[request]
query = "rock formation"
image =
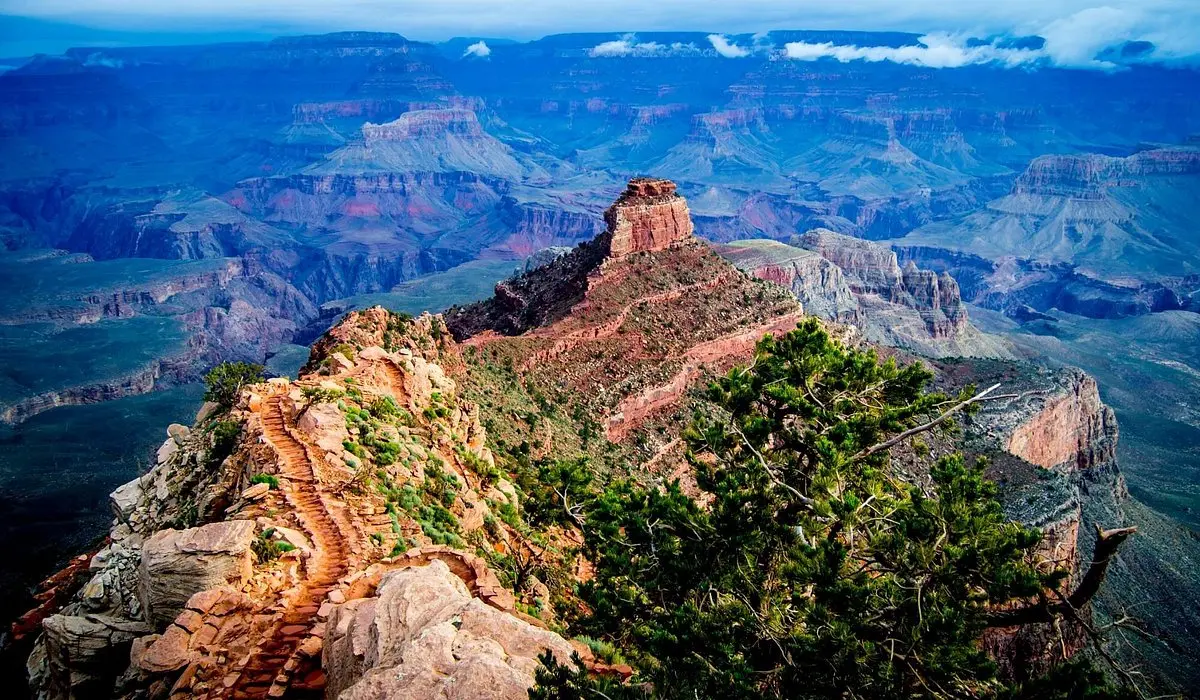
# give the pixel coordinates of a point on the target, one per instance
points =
(423, 635)
(177, 564)
(872, 269)
(1086, 176)
(859, 282)
(648, 216)
(818, 283)
(1053, 444)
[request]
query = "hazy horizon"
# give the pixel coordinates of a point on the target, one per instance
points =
(1076, 31)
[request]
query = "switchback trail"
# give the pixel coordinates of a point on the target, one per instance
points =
(269, 672)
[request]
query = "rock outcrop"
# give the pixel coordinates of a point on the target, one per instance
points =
(1073, 430)
(648, 216)
(423, 635)
(860, 283)
(425, 141)
(1052, 445)
(1086, 176)
(817, 282)
(179, 563)
(872, 269)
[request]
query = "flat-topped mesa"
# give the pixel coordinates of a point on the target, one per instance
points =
(648, 216)
(424, 123)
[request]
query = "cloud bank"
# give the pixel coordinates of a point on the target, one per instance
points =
(1089, 39)
(628, 45)
(479, 49)
(934, 51)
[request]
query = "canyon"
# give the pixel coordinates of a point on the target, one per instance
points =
(165, 209)
(265, 566)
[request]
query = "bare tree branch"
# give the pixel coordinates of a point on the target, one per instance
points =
(922, 428)
(1107, 543)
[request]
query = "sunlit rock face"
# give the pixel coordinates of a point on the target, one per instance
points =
(648, 216)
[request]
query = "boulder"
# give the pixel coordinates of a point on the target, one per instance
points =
(83, 654)
(373, 353)
(126, 497)
(255, 492)
(168, 448)
(325, 425)
(423, 636)
(343, 363)
(178, 433)
(178, 563)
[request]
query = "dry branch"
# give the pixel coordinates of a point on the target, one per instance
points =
(1107, 544)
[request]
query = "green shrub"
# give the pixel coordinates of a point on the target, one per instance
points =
(317, 394)
(226, 380)
(354, 449)
(266, 548)
(268, 479)
(384, 407)
(346, 349)
(225, 434)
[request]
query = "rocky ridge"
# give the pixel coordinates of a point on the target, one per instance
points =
(860, 283)
(227, 559)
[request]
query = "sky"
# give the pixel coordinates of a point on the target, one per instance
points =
(1073, 28)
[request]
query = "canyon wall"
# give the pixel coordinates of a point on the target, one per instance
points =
(872, 269)
(1052, 444)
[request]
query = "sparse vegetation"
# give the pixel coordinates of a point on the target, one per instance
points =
(226, 380)
(268, 479)
(224, 435)
(266, 548)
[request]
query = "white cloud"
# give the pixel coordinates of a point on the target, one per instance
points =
(479, 49)
(628, 45)
(725, 48)
(1075, 40)
(934, 51)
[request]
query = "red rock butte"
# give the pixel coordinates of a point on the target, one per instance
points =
(648, 216)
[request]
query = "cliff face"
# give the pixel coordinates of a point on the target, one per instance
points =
(873, 269)
(820, 285)
(1052, 446)
(1073, 430)
(1086, 176)
(223, 309)
(859, 282)
(649, 216)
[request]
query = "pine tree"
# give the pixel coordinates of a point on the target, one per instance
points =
(808, 568)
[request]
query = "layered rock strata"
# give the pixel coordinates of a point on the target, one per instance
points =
(1051, 443)
(648, 216)
(872, 269)
(858, 282)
